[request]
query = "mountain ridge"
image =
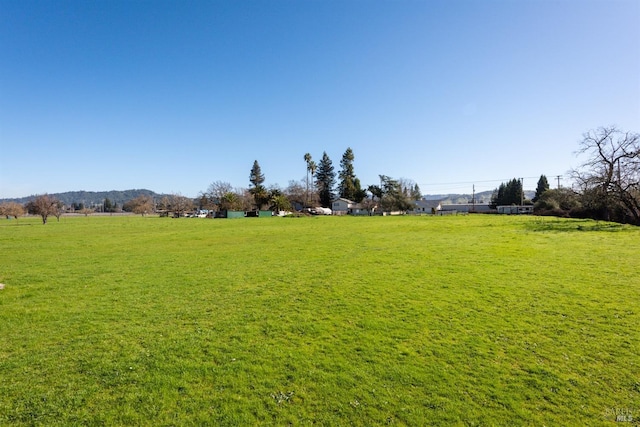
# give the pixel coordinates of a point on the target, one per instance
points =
(91, 198)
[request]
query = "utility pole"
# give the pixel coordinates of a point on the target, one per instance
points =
(558, 178)
(522, 192)
(473, 198)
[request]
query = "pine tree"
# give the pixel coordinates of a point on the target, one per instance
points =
(507, 194)
(514, 192)
(325, 181)
(349, 187)
(259, 192)
(543, 185)
(360, 193)
(416, 194)
(256, 177)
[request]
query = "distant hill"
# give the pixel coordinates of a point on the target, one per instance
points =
(483, 197)
(92, 198)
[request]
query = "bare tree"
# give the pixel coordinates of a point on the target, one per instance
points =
(142, 205)
(610, 177)
(44, 206)
(245, 199)
(204, 202)
(218, 189)
(12, 209)
(87, 211)
(370, 204)
(218, 194)
(296, 193)
(164, 203)
(58, 209)
(410, 189)
(180, 204)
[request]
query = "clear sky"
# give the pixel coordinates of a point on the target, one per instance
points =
(174, 95)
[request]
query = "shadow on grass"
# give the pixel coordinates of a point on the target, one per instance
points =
(566, 225)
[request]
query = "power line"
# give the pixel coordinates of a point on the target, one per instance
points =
(477, 182)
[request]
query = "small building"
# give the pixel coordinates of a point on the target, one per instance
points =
(342, 206)
(468, 207)
(423, 206)
(230, 214)
(516, 210)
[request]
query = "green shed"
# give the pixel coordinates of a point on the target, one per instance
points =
(235, 214)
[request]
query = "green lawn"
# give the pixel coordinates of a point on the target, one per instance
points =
(468, 320)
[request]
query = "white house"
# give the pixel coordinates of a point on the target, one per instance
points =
(342, 206)
(423, 206)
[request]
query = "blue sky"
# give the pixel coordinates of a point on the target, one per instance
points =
(174, 95)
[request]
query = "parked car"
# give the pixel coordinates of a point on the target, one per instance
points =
(321, 211)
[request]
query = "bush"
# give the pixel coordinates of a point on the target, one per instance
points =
(559, 202)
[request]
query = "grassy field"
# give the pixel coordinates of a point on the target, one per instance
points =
(469, 320)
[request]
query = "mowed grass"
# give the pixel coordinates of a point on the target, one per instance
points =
(468, 320)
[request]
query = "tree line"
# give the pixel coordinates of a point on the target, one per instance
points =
(606, 183)
(320, 188)
(606, 186)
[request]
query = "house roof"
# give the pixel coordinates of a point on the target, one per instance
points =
(427, 204)
(343, 199)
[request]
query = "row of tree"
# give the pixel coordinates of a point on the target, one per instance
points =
(320, 188)
(510, 193)
(44, 205)
(607, 186)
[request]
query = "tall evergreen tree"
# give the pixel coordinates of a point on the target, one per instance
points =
(259, 192)
(360, 192)
(416, 194)
(349, 186)
(412, 189)
(510, 193)
(108, 206)
(256, 176)
(325, 180)
(515, 192)
(346, 186)
(498, 196)
(543, 185)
